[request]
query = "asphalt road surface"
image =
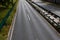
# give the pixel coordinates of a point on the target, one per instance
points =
(30, 25)
(49, 6)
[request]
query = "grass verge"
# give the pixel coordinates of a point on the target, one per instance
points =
(5, 29)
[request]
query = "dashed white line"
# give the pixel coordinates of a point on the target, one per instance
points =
(28, 17)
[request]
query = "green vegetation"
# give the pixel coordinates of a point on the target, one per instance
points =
(3, 12)
(5, 29)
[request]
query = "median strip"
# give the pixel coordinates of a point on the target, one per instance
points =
(52, 18)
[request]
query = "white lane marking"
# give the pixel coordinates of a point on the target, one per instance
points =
(28, 17)
(12, 32)
(11, 29)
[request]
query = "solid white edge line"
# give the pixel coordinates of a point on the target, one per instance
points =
(10, 33)
(12, 29)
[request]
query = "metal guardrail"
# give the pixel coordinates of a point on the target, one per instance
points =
(52, 18)
(6, 17)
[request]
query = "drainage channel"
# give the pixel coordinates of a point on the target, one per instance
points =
(52, 18)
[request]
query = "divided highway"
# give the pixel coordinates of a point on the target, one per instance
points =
(49, 6)
(30, 25)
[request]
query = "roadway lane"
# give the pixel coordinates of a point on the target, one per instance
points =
(49, 6)
(30, 25)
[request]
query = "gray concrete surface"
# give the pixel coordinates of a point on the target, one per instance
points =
(49, 6)
(30, 25)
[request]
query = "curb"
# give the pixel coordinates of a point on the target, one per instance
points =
(12, 28)
(38, 9)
